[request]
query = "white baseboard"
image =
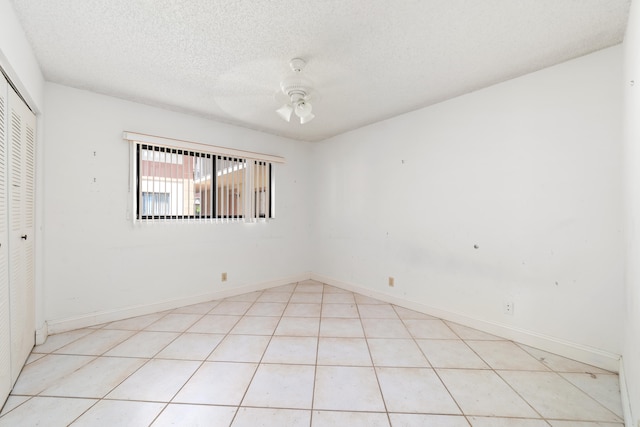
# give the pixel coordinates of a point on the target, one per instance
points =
(624, 395)
(585, 354)
(42, 333)
(581, 353)
(67, 324)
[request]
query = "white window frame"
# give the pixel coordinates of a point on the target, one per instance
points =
(253, 206)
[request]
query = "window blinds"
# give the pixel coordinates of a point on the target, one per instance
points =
(183, 181)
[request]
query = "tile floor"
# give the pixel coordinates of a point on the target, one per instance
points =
(304, 354)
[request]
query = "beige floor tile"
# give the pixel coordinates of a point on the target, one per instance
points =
(54, 342)
(338, 298)
(143, 344)
(416, 390)
(96, 343)
(302, 310)
(13, 402)
(506, 422)
(217, 383)
(267, 309)
(214, 324)
(483, 392)
(231, 307)
(281, 386)
(505, 355)
(423, 420)
(406, 314)
(348, 311)
(605, 388)
(240, 348)
(328, 289)
(45, 372)
(351, 419)
(34, 356)
(347, 389)
(337, 328)
(195, 415)
(201, 308)
(467, 333)
(451, 354)
(556, 423)
(174, 323)
(568, 402)
(363, 299)
(46, 411)
(96, 378)
(256, 325)
(298, 326)
(291, 350)
(385, 328)
(263, 351)
(135, 323)
(306, 297)
(119, 413)
(429, 329)
(158, 381)
(266, 417)
(561, 364)
(190, 346)
(275, 297)
(377, 311)
(396, 353)
(343, 352)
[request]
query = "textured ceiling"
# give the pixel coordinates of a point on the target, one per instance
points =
(369, 59)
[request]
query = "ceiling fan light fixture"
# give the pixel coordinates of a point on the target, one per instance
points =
(307, 118)
(285, 112)
(298, 90)
(303, 109)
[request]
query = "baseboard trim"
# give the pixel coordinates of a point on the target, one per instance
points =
(70, 323)
(42, 333)
(624, 395)
(581, 353)
(585, 354)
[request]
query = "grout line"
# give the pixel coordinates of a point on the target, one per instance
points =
(259, 363)
(373, 365)
(315, 369)
(414, 339)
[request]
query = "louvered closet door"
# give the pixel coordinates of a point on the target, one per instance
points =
(21, 157)
(5, 333)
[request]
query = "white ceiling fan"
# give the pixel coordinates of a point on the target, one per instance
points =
(297, 88)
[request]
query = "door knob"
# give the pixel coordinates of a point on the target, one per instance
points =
(24, 237)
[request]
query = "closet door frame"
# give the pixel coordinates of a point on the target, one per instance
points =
(6, 381)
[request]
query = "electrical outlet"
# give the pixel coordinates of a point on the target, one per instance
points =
(391, 282)
(507, 307)
(224, 277)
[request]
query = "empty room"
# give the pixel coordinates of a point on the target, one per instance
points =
(352, 213)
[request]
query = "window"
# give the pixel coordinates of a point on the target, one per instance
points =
(178, 183)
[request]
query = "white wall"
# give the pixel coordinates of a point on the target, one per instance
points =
(528, 170)
(17, 58)
(631, 349)
(96, 260)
